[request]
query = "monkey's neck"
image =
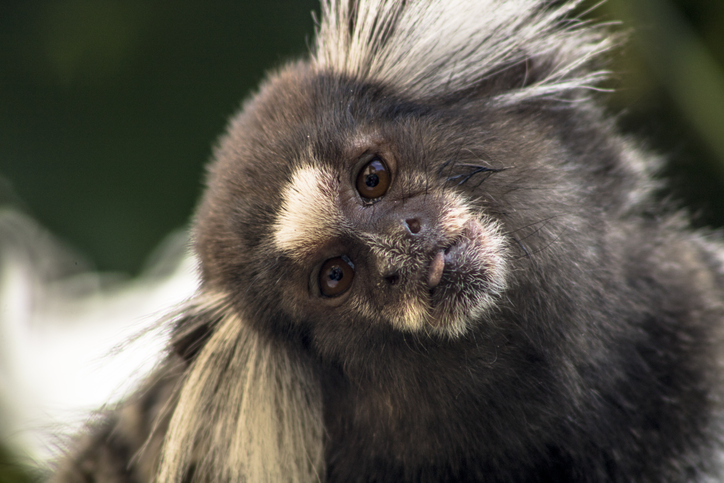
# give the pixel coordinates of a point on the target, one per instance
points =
(440, 410)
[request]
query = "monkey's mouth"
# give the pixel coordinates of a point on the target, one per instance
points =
(442, 269)
(440, 263)
(464, 270)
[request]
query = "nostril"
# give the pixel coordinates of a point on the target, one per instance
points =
(393, 279)
(413, 224)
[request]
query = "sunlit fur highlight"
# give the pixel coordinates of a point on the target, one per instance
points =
(246, 412)
(433, 48)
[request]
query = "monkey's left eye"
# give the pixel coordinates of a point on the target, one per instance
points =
(373, 179)
(336, 276)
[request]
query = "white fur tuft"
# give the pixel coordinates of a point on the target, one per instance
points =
(436, 47)
(246, 412)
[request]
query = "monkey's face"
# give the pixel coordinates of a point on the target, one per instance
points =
(373, 239)
(336, 212)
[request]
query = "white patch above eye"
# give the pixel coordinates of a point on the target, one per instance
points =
(309, 214)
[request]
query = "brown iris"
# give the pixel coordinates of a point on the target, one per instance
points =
(336, 276)
(373, 179)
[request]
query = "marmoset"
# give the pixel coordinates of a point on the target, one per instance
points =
(427, 255)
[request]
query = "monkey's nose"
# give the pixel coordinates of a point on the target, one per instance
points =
(413, 226)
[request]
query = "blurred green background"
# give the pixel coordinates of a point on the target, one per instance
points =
(109, 108)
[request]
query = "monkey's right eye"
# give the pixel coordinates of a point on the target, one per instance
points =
(373, 180)
(336, 276)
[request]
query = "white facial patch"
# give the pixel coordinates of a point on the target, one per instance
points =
(309, 213)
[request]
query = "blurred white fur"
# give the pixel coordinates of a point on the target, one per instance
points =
(65, 332)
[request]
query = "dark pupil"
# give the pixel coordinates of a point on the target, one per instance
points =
(372, 180)
(335, 273)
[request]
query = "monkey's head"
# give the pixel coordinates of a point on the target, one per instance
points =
(337, 208)
(345, 209)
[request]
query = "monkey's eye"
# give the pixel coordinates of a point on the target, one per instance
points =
(373, 179)
(336, 276)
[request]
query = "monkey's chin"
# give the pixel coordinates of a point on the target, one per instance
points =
(472, 279)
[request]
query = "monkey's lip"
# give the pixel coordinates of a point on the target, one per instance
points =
(437, 266)
(445, 261)
(472, 231)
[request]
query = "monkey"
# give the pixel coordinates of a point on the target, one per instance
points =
(427, 254)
